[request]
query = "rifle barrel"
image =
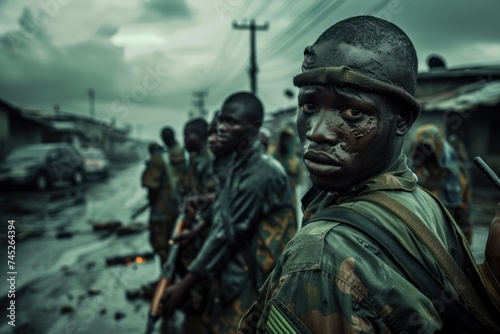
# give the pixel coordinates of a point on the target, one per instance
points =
(488, 172)
(150, 326)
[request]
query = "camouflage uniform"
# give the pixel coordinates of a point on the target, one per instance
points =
(201, 182)
(180, 174)
(331, 278)
(201, 168)
(253, 218)
(164, 206)
(448, 179)
(290, 161)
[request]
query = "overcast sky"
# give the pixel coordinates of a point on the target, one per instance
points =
(145, 58)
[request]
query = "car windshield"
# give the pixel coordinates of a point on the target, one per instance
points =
(92, 155)
(25, 153)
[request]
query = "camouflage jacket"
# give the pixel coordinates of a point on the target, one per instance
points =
(448, 178)
(332, 278)
(161, 190)
(201, 172)
(253, 218)
(179, 174)
(290, 161)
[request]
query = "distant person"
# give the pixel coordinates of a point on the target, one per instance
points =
(164, 206)
(459, 147)
(213, 140)
(440, 171)
(265, 138)
(201, 158)
(178, 159)
(286, 154)
(252, 219)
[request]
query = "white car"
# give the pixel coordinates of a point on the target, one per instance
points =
(95, 163)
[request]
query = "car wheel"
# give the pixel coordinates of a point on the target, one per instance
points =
(77, 178)
(104, 175)
(41, 182)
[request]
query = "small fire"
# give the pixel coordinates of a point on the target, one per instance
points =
(140, 259)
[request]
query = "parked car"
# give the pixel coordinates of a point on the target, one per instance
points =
(95, 163)
(41, 165)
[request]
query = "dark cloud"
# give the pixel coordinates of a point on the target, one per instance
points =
(37, 73)
(446, 27)
(34, 69)
(157, 10)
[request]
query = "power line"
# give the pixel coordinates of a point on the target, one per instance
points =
(287, 42)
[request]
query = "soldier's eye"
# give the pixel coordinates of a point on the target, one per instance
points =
(352, 114)
(308, 108)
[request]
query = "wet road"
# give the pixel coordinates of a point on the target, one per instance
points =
(63, 284)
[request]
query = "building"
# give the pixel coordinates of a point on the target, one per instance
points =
(22, 127)
(18, 129)
(465, 102)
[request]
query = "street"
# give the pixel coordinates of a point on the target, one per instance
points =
(63, 284)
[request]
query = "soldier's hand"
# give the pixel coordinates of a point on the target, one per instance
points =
(172, 299)
(492, 251)
(185, 236)
(176, 294)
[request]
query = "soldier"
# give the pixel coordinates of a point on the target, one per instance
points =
(201, 158)
(163, 208)
(177, 158)
(264, 138)
(440, 171)
(197, 203)
(286, 155)
(253, 218)
(355, 106)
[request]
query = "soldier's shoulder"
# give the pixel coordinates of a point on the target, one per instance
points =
(271, 166)
(307, 248)
(324, 245)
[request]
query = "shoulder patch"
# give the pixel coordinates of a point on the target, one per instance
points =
(305, 250)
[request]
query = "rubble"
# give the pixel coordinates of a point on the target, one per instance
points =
(111, 225)
(119, 315)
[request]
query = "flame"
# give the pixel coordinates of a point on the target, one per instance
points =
(140, 259)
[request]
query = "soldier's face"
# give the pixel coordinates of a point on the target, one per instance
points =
(192, 141)
(233, 127)
(213, 142)
(347, 135)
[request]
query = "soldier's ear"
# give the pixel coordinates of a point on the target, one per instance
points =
(256, 126)
(405, 119)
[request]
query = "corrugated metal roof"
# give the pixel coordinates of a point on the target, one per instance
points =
(463, 98)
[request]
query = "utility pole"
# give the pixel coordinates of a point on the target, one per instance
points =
(57, 109)
(199, 102)
(253, 58)
(91, 103)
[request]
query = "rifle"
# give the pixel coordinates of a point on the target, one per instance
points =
(167, 278)
(488, 172)
(137, 212)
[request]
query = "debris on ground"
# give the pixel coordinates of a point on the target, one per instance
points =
(110, 225)
(94, 292)
(119, 315)
(64, 235)
(131, 229)
(66, 309)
